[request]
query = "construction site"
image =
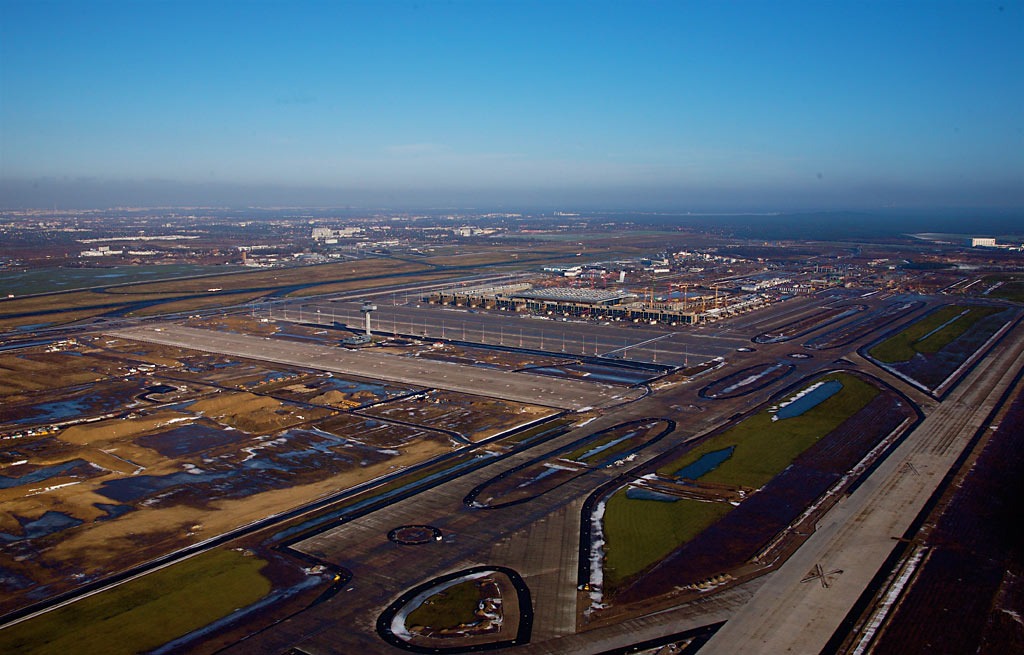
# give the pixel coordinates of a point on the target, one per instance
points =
(681, 307)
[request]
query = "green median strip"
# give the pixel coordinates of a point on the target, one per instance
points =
(932, 333)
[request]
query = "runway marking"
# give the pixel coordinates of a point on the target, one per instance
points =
(638, 345)
(820, 574)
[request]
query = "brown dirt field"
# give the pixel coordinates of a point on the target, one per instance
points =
(336, 398)
(39, 371)
(68, 301)
(252, 413)
(472, 259)
(103, 547)
(384, 435)
(115, 429)
(280, 277)
(198, 303)
(381, 282)
(56, 318)
(20, 375)
(76, 501)
(471, 416)
(152, 353)
(107, 460)
(116, 540)
(150, 459)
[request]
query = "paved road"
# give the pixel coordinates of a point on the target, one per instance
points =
(519, 387)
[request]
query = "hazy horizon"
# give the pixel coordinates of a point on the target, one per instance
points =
(683, 106)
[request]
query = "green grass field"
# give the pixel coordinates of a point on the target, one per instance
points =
(144, 613)
(1011, 289)
(450, 608)
(765, 447)
(915, 338)
(640, 533)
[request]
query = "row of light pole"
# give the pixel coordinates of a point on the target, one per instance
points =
(523, 338)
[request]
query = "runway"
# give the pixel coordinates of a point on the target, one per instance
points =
(506, 385)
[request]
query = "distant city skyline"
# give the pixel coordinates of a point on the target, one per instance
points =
(732, 106)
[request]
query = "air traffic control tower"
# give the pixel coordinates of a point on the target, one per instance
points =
(366, 309)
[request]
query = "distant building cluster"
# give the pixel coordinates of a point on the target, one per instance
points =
(326, 233)
(102, 251)
(473, 231)
(607, 304)
(758, 285)
(988, 242)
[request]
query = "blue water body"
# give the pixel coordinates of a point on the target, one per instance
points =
(267, 467)
(127, 490)
(189, 439)
(113, 511)
(41, 474)
(48, 523)
(350, 386)
(12, 580)
(636, 493)
(811, 400)
(707, 463)
(15, 346)
(56, 411)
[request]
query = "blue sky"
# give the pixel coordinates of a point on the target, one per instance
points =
(704, 104)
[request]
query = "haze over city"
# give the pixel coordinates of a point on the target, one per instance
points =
(691, 106)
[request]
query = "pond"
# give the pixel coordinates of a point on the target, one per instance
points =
(708, 462)
(70, 467)
(805, 401)
(190, 439)
(48, 523)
